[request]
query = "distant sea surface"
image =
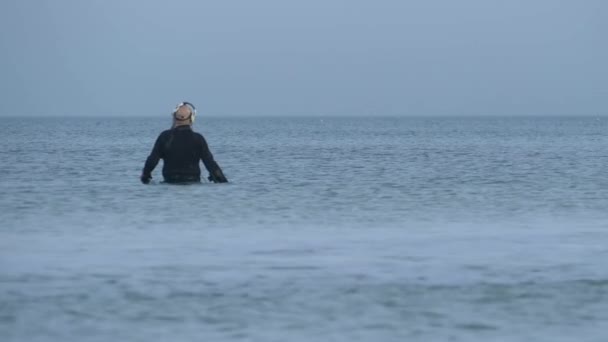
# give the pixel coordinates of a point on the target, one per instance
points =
(331, 229)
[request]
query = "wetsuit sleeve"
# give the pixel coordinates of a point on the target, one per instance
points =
(154, 156)
(215, 172)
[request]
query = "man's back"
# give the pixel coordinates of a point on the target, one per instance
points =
(182, 153)
(181, 150)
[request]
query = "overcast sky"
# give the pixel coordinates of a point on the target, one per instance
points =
(306, 57)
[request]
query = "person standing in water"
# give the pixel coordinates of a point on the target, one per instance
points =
(181, 149)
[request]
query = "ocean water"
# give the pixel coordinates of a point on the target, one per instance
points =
(332, 229)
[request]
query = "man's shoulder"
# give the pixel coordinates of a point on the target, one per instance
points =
(165, 132)
(198, 135)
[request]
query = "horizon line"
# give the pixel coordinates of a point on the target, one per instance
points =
(314, 116)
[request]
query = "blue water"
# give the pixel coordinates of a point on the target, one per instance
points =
(332, 229)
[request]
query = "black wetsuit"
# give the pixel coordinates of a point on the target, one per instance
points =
(181, 150)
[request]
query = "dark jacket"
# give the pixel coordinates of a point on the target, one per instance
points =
(181, 150)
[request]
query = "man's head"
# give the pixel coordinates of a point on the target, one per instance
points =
(184, 114)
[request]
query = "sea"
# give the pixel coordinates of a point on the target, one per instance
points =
(331, 229)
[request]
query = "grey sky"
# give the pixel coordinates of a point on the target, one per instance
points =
(313, 57)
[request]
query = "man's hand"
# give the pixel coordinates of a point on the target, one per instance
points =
(217, 177)
(145, 178)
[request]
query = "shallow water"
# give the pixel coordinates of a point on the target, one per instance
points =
(333, 229)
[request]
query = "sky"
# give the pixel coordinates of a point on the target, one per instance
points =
(313, 57)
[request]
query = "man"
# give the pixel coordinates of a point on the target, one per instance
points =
(181, 150)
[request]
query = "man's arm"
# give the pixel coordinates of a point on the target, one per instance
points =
(215, 172)
(152, 160)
